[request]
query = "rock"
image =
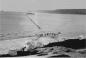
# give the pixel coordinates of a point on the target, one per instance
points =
(12, 52)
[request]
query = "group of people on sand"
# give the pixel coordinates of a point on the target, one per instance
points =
(42, 39)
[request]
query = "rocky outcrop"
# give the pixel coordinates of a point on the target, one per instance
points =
(71, 43)
(55, 49)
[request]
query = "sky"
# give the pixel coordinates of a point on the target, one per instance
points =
(25, 5)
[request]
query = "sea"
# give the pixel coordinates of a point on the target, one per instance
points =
(14, 26)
